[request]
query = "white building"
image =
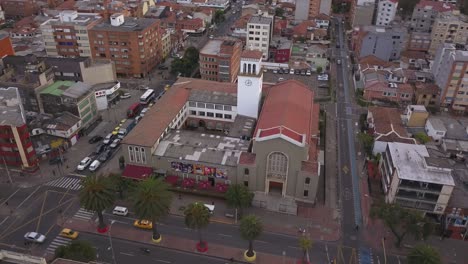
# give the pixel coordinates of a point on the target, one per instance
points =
(259, 34)
(249, 84)
(414, 180)
(435, 129)
(386, 12)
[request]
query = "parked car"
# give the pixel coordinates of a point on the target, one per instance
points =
(303, 72)
(95, 165)
(105, 156)
(100, 148)
(297, 72)
(109, 137)
(34, 237)
(275, 71)
(143, 112)
(84, 163)
(211, 37)
(308, 73)
(280, 79)
(125, 96)
(68, 233)
(94, 139)
(291, 71)
(144, 224)
(115, 143)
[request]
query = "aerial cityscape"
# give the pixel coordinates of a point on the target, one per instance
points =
(234, 131)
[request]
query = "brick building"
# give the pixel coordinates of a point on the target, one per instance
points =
(5, 46)
(219, 60)
(16, 148)
(19, 8)
(67, 35)
(133, 44)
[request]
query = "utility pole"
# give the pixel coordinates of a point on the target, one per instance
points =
(384, 250)
(110, 241)
(8, 171)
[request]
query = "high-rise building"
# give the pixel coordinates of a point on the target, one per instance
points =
(386, 11)
(449, 69)
(259, 34)
(425, 13)
(307, 9)
(362, 12)
(67, 35)
(384, 43)
(16, 148)
(133, 44)
(220, 59)
(20, 8)
(449, 27)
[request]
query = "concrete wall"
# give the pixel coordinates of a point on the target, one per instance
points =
(302, 10)
(364, 14)
(383, 45)
(99, 73)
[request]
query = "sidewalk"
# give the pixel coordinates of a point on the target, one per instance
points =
(176, 243)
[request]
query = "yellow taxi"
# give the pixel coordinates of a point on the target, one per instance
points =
(167, 87)
(68, 233)
(122, 121)
(145, 224)
(116, 130)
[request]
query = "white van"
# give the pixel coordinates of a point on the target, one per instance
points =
(120, 210)
(95, 165)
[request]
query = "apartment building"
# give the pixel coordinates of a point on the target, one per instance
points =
(220, 60)
(20, 8)
(306, 9)
(16, 148)
(413, 179)
(425, 14)
(259, 34)
(133, 44)
(386, 11)
(165, 42)
(67, 35)
(450, 70)
(362, 12)
(384, 43)
(449, 27)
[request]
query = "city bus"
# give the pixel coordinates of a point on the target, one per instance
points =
(147, 97)
(133, 110)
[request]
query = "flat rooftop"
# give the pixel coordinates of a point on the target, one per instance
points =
(57, 88)
(130, 24)
(82, 19)
(410, 162)
(11, 108)
(202, 147)
(212, 47)
(260, 20)
(214, 97)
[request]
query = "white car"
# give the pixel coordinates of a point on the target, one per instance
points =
(291, 71)
(115, 143)
(108, 138)
(125, 96)
(34, 237)
(95, 165)
(280, 79)
(84, 163)
(143, 112)
(211, 37)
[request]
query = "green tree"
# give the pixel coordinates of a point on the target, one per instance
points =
(192, 55)
(197, 217)
(152, 201)
(121, 184)
(422, 137)
(367, 142)
(187, 64)
(239, 197)
(424, 254)
(219, 17)
(250, 229)
(319, 69)
(98, 193)
(78, 250)
(401, 221)
(305, 243)
(279, 12)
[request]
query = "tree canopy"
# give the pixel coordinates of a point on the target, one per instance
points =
(367, 142)
(407, 7)
(401, 221)
(98, 193)
(78, 250)
(197, 216)
(187, 64)
(250, 229)
(219, 17)
(422, 137)
(279, 12)
(424, 254)
(238, 196)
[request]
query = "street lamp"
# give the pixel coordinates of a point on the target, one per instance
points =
(110, 241)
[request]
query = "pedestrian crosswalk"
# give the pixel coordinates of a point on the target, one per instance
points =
(84, 214)
(72, 183)
(57, 242)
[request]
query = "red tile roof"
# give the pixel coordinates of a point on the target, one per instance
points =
(301, 29)
(371, 60)
(252, 54)
(158, 118)
(247, 158)
(387, 125)
(137, 172)
(289, 110)
(436, 5)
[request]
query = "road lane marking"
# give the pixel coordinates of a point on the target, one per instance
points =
(161, 260)
(9, 197)
(294, 247)
(262, 241)
(224, 235)
(127, 254)
(42, 211)
(6, 218)
(28, 197)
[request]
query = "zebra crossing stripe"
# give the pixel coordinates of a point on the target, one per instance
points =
(67, 182)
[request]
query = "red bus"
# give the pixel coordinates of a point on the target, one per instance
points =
(133, 110)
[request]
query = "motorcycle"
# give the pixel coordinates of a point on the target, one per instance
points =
(145, 250)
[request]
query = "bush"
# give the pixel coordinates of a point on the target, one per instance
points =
(78, 250)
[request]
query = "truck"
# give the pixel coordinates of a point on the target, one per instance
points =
(126, 127)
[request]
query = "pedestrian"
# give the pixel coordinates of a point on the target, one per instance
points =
(6, 203)
(357, 227)
(53, 172)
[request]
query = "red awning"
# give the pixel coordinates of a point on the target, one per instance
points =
(137, 172)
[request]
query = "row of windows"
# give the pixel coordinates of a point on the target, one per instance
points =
(258, 27)
(258, 39)
(137, 154)
(211, 114)
(210, 106)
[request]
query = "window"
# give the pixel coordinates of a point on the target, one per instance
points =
(209, 114)
(277, 165)
(246, 171)
(193, 112)
(246, 183)
(306, 193)
(227, 116)
(307, 180)
(219, 107)
(201, 105)
(228, 108)
(218, 115)
(201, 113)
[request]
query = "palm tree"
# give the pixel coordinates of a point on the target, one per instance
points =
(424, 254)
(239, 197)
(197, 216)
(121, 184)
(97, 195)
(305, 244)
(250, 228)
(152, 201)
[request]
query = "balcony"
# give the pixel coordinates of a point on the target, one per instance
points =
(417, 196)
(420, 186)
(415, 205)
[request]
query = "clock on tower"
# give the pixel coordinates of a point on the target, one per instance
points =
(248, 82)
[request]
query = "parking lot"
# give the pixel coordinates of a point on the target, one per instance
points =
(320, 87)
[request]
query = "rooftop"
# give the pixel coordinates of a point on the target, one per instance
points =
(438, 6)
(206, 148)
(72, 18)
(212, 47)
(260, 20)
(410, 162)
(57, 88)
(214, 97)
(11, 108)
(385, 124)
(77, 90)
(252, 54)
(63, 122)
(130, 24)
(456, 129)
